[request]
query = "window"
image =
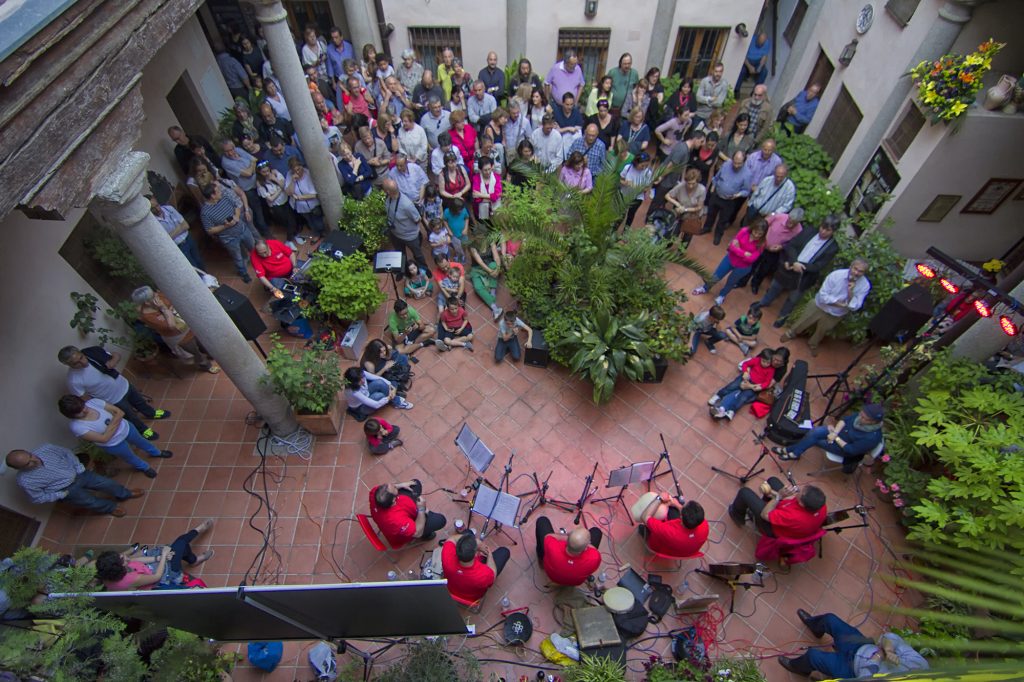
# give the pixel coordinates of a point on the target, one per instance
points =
(840, 126)
(428, 41)
(795, 21)
(697, 50)
(902, 10)
(302, 13)
(905, 132)
(591, 47)
(822, 72)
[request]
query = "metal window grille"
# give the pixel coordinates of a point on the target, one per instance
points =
(905, 132)
(428, 41)
(591, 47)
(697, 50)
(841, 124)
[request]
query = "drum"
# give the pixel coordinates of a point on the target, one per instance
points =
(618, 600)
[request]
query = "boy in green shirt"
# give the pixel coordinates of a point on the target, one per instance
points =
(408, 331)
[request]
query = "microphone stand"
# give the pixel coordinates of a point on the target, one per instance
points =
(753, 470)
(566, 505)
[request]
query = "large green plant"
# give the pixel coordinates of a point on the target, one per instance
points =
(347, 288)
(603, 350)
(139, 340)
(367, 218)
(110, 251)
(595, 669)
(801, 151)
(430, 661)
(815, 194)
(310, 380)
(722, 670)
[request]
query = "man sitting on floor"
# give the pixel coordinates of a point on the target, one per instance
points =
(469, 569)
(672, 528)
(851, 438)
(567, 561)
(790, 512)
(400, 513)
(51, 473)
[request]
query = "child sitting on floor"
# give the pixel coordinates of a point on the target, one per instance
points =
(417, 284)
(381, 436)
(706, 324)
(743, 331)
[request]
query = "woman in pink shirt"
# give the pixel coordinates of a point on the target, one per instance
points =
(486, 190)
(782, 227)
(576, 174)
(744, 249)
(463, 137)
(121, 573)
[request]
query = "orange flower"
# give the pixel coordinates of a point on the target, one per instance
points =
(987, 45)
(967, 78)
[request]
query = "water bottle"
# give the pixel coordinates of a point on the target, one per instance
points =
(603, 577)
(505, 602)
(459, 525)
(392, 575)
(412, 574)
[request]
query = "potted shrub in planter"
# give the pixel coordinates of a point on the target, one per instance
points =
(347, 288)
(310, 381)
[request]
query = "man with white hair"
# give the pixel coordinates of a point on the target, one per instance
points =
(157, 313)
(842, 293)
(481, 105)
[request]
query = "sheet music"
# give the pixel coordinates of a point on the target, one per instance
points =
(635, 473)
(480, 457)
(501, 507)
(619, 477)
(466, 439)
(642, 471)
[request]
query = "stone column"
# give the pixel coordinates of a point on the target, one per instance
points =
(661, 33)
(515, 28)
(285, 60)
(121, 203)
(362, 23)
(944, 31)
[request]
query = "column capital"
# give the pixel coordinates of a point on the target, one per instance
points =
(959, 11)
(117, 198)
(269, 11)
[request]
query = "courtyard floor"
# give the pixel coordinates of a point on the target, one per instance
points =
(548, 418)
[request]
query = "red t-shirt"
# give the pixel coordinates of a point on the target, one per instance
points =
(563, 568)
(385, 429)
(790, 520)
(453, 321)
(277, 264)
(759, 374)
(465, 583)
(438, 275)
(673, 538)
(398, 522)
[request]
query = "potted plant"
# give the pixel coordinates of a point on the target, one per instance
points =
(604, 349)
(310, 382)
(140, 340)
(347, 288)
(948, 85)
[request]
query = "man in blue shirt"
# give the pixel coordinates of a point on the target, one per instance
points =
(756, 62)
(338, 50)
(732, 186)
(801, 109)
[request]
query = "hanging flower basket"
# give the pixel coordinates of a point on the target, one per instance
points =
(949, 84)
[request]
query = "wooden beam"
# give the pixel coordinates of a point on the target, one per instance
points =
(53, 123)
(21, 59)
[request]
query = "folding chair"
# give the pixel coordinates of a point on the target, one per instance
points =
(652, 557)
(790, 551)
(866, 460)
(471, 606)
(379, 544)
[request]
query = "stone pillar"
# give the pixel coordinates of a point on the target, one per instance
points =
(362, 23)
(661, 33)
(515, 28)
(121, 203)
(944, 31)
(285, 60)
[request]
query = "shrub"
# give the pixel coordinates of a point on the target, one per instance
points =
(603, 350)
(367, 218)
(309, 382)
(348, 288)
(802, 151)
(885, 274)
(109, 250)
(815, 194)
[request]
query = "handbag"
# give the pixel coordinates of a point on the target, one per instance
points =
(691, 224)
(766, 396)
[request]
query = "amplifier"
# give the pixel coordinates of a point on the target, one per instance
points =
(354, 341)
(537, 354)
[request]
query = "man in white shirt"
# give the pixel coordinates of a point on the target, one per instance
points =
(481, 105)
(842, 292)
(517, 128)
(547, 144)
(774, 194)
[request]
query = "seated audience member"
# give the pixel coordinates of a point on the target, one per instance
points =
(454, 328)
(125, 572)
(157, 313)
(782, 512)
(381, 436)
(417, 282)
(400, 512)
(356, 172)
(508, 336)
(469, 569)
(705, 323)
(92, 373)
(273, 263)
(852, 437)
(104, 424)
(484, 276)
(381, 359)
(567, 559)
(451, 282)
(366, 393)
(672, 528)
(408, 330)
(486, 190)
(853, 654)
(50, 473)
(743, 332)
(756, 375)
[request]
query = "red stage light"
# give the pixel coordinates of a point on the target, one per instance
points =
(949, 286)
(925, 270)
(983, 308)
(1008, 326)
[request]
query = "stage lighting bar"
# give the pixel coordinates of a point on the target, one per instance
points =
(1008, 326)
(949, 286)
(925, 271)
(983, 308)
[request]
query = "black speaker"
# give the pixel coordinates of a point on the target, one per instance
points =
(241, 312)
(339, 244)
(537, 354)
(904, 313)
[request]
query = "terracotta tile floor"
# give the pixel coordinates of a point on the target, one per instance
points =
(548, 418)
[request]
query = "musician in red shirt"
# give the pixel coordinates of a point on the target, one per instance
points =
(401, 514)
(792, 512)
(470, 570)
(567, 561)
(673, 528)
(273, 263)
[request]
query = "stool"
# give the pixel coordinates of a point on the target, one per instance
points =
(866, 460)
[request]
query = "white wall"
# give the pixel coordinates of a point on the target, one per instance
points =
(722, 14)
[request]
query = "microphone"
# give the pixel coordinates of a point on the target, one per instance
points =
(789, 477)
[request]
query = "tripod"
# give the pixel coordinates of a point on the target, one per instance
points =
(663, 457)
(502, 487)
(733, 581)
(753, 470)
(368, 657)
(841, 515)
(618, 498)
(841, 382)
(564, 505)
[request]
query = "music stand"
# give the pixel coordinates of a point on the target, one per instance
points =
(753, 470)
(841, 515)
(663, 457)
(622, 478)
(541, 499)
(497, 504)
(390, 262)
(476, 451)
(731, 573)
